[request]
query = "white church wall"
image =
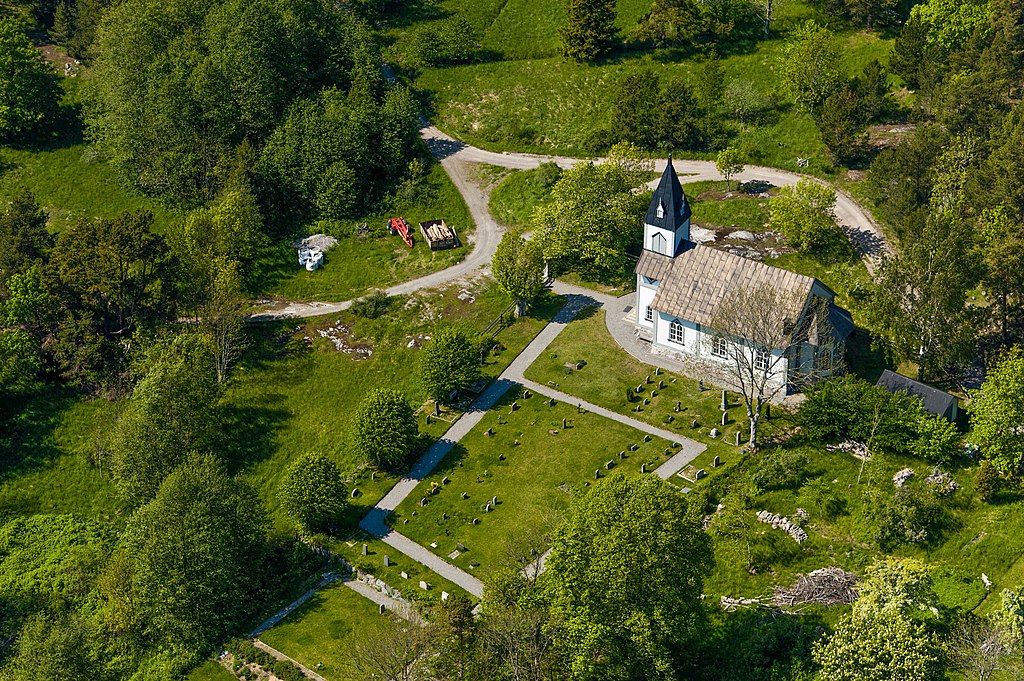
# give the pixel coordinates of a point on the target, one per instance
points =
(644, 297)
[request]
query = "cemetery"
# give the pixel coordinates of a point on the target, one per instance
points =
(513, 475)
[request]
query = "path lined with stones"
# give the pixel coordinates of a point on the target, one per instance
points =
(375, 522)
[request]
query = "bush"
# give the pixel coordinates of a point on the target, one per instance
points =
(373, 305)
(906, 517)
(312, 493)
(780, 469)
(987, 482)
(937, 439)
(385, 429)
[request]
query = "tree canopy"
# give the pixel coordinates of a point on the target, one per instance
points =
(518, 267)
(28, 87)
(313, 494)
(624, 578)
(448, 363)
(384, 428)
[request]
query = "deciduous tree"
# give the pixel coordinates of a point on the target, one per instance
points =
(28, 88)
(312, 493)
(804, 214)
(518, 267)
(729, 163)
(589, 29)
(997, 411)
(811, 66)
(624, 580)
(384, 428)
(448, 363)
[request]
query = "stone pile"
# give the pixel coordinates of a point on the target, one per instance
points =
(942, 482)
(779, 522)
(902, 476)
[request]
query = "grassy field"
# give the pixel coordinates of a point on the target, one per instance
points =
(320, 633)
(533, 480)
(712, 211)
(373, 563)
(357, 265)
(550, 104)
(611, 375)
(286, 399)
(210, 671)
(68, 180)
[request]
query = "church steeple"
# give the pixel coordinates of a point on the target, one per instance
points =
(667, 223)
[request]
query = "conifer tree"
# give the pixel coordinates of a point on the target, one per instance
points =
(589, 29)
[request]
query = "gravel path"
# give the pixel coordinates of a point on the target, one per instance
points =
(281, 656)
(375, 522)
(459, 161)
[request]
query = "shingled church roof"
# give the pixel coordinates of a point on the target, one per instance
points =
(670, 197)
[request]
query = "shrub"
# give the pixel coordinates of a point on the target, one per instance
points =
(373, 305)
(937, 439)
(384, 429)
(312, 493)
(987, 482)
(780, 469)
(449, 362)
(906, 517)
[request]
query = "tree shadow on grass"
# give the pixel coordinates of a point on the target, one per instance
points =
(27, 428)
(248, 434)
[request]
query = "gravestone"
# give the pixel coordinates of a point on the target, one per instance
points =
(700, 385)
(654, 393)
(476, 521)
(405, 521)
(515, 405)
(647, 438)
(657, 371)
(694, 424)
(667, 451)
(494, 501)
(526, 394)
(423, 501)
(725, 418)
(609, 465)
(551, 402)
(460, 546)
(516, 443)
(487, 508)
(373, 475)
(444, 515)
(679, 407)
(404, 574)
(428, 419)
(387, 561)
(634, 447)
(647, 380)
(365, 549)
(437, 409)
(639, 389)
(725, 401)
(424, 586)
(716, 463)
(637, 409)
(714, 432)
(444, 595)
(563, 423)
(465, 495)
(381, 610)
(597, 473)
(700, 474)
(355, 492)
(445, 480)
(677, 445)
(501, 457)
(646, 401)
(622, 455)
(737, 438)
(661, 385)
(489, 432)
(643, 468)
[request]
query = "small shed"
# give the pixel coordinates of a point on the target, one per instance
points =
(935, 401)
(438, 235)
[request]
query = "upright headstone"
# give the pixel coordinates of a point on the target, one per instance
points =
(494, 501)
(381, 610)
(437, 409)
(725, 418)
(716, 463)
(563, 423)
(366, 550)
(725, 401)
(597, 473)
(387, 561)
(609, 464)
(476, 521)
(738, 438)
(526, 394)
(700, 474)
(679, 407)
(714, 432)
(646, 401)
(647, 380)
(424, 585)
(657, 371)
(465, 495)
(404, 574)
(622, 455)
(647, 438)
(639, 389)
(460, 546)
(551, 402)
(661, 385)
(693, 423)
(373, 475)
(355, 492)
(700, 384)
(444, 595)
(643, 468)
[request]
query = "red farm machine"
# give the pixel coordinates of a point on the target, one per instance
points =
(400, 227)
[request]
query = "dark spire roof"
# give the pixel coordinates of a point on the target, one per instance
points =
(669, 195)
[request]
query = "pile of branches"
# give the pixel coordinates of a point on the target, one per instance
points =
(827, 586)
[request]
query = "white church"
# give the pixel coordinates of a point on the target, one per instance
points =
(680, 284)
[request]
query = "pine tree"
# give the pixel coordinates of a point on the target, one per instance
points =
(589, 29)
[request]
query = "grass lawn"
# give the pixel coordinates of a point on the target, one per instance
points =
(373, 563)
(286, 399)
(742, 212)
(67, 179)
(526, 481)
(357, 265)
(551, 104)
(210, 671)
(611, 374)
(515, 199)
(48, 470)
(322, 631)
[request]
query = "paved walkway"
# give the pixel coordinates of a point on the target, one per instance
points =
(375, 522)
(281, 656)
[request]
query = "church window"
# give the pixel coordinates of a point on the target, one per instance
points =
(762, 360)
(649, 314)
(719, 347)
(675, 332)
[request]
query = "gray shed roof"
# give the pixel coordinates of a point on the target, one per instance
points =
(935, 401)
(669, 195)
